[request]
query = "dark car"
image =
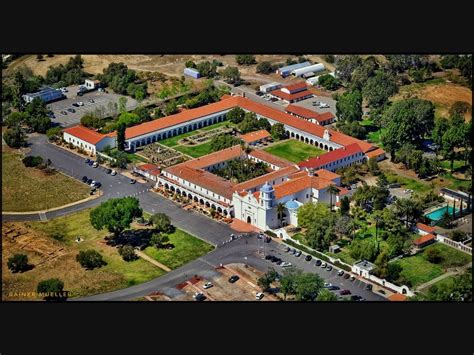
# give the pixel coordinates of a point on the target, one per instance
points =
(368, 287)
(308, 257)
(298, 253)
(98, 184)
(333, 288)
(133, 181)
(91, 162)
(233, 278)
(381, 291)
(356, 298)
(108, 171)
(199, 297)
(340, 273)
(346, 276)
(273, 99)
(63, 112)
(71, 110)
(87, 161)
(80, 93)
(75, 104)
(279, 262)
(287, 249)
(89, 181)
(329, 268)
(345, 292)
(292, 251)
(268, 257)
(318, 262)
(276, 260)
(259, 93)
(84, 179)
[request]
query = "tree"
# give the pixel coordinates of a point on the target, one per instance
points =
(288, 281)
(363, 249)
(207, 69)
(381, 263)
(265, 68)
(32, 161)
(264, 282)
(373, 166)
(92, 121)
(278, 131)
(345, 66)
(363, 72)
(18, 263)
(349, 106)
(54, 133)
(457, 235)
(245, 59)
(190, 64)
(345, 205)
(50, 286)
(162, 222)
(433, 255)
(159, 239)
(409, 209)
(41, 124)
(344, 226)
(223, 141)
(308, 286)
(236, 115)
(15, 138)
(455, 137)
(128, 253)
(116, 214)
(393, 272)
(460, 108)
(326, 296)
(407, 121)
(329, 82)
(121, 159)
(332, 190)
(170, 108)
(16, 119)
(330, 58)
(121, 136)
(379, 88)
(90, 259)
(231, 75)
(280, 212)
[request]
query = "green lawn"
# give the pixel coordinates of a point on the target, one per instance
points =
(30, 189)
(294, 151)
(418, 270)
(344, 255)
(186, 248)
(195, 151)
(217, 125)
(455, 183)
(450, 256)
(172, 141)
(134, 158)
(446, 164)
(412, 184)
(116, 274)
(299, 237)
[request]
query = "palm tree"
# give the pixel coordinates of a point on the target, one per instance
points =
(333, 190)
(280, 212)
(409, 209)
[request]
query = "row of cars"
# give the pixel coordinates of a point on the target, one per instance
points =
(95, 164)
(199, 296)
(75, 104)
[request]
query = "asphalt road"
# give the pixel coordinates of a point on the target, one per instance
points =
(238, 251)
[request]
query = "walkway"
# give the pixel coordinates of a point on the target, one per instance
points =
(151, 260)
(451, 272)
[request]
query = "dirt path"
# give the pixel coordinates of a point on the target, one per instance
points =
(153, 261)
(451, 272)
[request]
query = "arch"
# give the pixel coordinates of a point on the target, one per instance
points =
(201, 201)
(225, 212)
(311, 142)
(249, 220)
(174, 132)
(364, 160)
(297, 136)
(178, 191)
(190, 127)
(200, 125)
(219, 209)
(287, 133)
(143, 141)
(195, 126)
(292, 134)
(184, 193)
(158, 137)
(213, 206)
(165, 135)
(331, 149)
(320, 145)
(208, 204)
(214, 120)
(167, 186)
(172, 188)
(196, 199)
(180, 130)
(325, 147)
(306, 140)
(190, 196)
(185, 129)
(148, 140)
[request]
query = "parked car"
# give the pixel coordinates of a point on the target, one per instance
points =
(318, 262)
(368, 287)
(273, 99)
(286, 264)
(287, 249)
(340, 273)
(207, 285)
(333, 288)
(345, 292)
(87, 161)
(292, 251)
(91, 101)
(63, 112)
(93, 182)
(316, 103)
(98, 184)
(381, 291)
(71, 110)
(356, 298)
(268, 257)
(259, 296)
(346, 276)
(298, 253)
(199, 296)
(75, 104)
(95, 165)
(279, 262)
(80, 103)
(308, 257)
(89, 181)
(113, 173)
(352, 278)
(90, 163)
(276, 259)
(323, 265)
(108, 171)
(259, 93)
(233, 278)
(84, 178)
(132, 181)
(329, 268)
(327, 284)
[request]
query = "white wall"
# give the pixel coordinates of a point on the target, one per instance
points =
(79, 143)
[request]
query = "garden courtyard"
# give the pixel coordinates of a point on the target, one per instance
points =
(294, 150)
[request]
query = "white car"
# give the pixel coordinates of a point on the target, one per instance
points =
(323, 105)
(80, 103)
(95, 165)
(323, 265)
(207, 285)
(113, 173)
(93, 183)
(327, 284)
(259, 296)
(286, 264)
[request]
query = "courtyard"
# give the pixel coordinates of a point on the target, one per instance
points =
(294, 150)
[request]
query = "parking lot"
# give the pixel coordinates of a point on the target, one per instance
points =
(104, 101)
(308, 104)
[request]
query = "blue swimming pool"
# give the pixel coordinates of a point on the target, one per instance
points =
(437, 214)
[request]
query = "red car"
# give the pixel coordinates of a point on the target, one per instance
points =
(345, 292)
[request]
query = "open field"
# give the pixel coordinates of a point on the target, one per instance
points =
(55, 258)
(186, 248)
(418, 270)
(30, 189)
(294, 151)
(450, 257)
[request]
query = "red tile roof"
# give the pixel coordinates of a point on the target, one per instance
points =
(332, 156)
(86, 134)
(375, 153)
(149, 168)
(270, 158)
(214, 158)
(309, 114)
(326, 174)
(397, 297)
(295, 87)
(425, 228)
(277, 174)
(291, 97)
(255, 136)
(423, 239)
(293, 186)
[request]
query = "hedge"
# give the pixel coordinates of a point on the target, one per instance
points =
(270, 233)
(32, 161)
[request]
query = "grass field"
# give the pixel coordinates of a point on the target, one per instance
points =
(406, 182)
(450, 256)
(29, 189)
(172, 141)
(294, 151)
(186, 248)
(418, 270)
(195, 151)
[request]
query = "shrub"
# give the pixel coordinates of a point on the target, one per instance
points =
(90, 259)
(32, 161)
(18, 263)
(128, 253)
(50, 285)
